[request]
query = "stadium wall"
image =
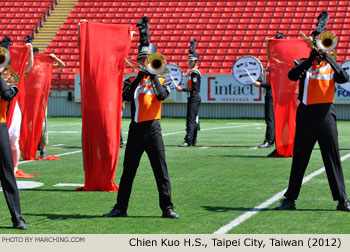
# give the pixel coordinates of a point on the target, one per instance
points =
(59, 105)
(222, 97)
(62, 104)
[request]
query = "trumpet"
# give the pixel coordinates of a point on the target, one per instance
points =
(10, 76)
(325, 42)
(156, 64)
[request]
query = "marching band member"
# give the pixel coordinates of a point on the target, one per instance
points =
(194, 99)
(7, 178)
(316, 121)
(146, 93)
(268, 109)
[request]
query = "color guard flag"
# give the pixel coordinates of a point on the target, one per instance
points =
(19, 56)
(32, 100)
(282, 53)
(103, 48)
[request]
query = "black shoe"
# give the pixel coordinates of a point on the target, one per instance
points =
(274, 153)
(344, 206)
(169, 213)
(121, 145)
(265, 144)
(43, 154)
(286, 204)
(185, 144)
(20, 224)
(115, 213)
(194, 142)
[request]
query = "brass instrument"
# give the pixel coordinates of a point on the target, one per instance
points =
(156, 64)
(325, 42)
(10, 76)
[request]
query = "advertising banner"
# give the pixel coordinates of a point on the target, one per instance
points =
(222, 88)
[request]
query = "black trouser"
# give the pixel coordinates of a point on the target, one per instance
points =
(121, 138)
(145, 136)
(316, 123)
(7, 177)
(269, 119)
(192, 126)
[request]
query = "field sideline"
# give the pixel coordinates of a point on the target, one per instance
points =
(224, 185)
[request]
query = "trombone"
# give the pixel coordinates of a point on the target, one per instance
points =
(10, 76)
(325, 42)
(156, 64)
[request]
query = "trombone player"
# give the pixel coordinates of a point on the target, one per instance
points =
(146, 93)
(316, 120)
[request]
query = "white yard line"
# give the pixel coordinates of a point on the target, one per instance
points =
(230, 127)
(58, 155)
(165, 134)
(236, 125)
(227, 127)
(242, 218)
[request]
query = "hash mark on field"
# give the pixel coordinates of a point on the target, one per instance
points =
(56, 145)
(237, 123)
(67, 184)
(242, 218)
(27, 185)
(60, 125)
(64, 132)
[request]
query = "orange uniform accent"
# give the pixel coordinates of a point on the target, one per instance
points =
(319, 84)
(148, 107)
(3, 110)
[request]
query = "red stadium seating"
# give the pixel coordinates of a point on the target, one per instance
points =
(22, 18)
(225, 30)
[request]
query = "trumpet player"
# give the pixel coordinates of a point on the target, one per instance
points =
(146, 93)
(194, 99)
(316, 121)
(7, 178)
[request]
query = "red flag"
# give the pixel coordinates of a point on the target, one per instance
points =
(103, 48)
(32, 100)
(19, 56)
(50, 157)
(282, 53)
(20, 174)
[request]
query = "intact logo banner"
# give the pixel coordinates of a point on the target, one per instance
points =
(222, 89)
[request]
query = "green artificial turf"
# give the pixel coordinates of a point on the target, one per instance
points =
(212, 184)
